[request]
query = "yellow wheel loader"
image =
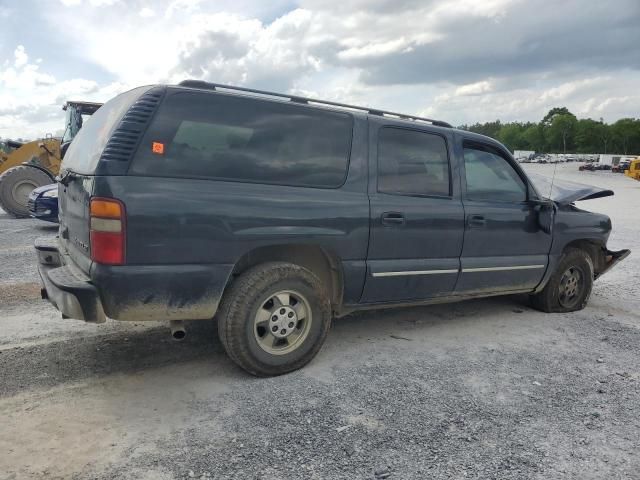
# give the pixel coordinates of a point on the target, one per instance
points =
(30, 165)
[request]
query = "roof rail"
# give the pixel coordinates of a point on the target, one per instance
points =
(201, 84)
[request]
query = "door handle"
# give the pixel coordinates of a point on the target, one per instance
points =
(476, 221)
(392, 219)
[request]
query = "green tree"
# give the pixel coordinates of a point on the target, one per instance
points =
(511, 134)
(561, 132)
(490, 129)
(626, 133)
(534, 135)
(605, 136)
(587, 139)
(548, 118)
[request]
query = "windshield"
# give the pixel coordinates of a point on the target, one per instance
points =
(73, 123)
(85, 150)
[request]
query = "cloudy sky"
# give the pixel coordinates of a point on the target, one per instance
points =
(458, 60)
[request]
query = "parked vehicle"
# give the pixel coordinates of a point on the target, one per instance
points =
(43, 203)
(34, 164)
(621, 167)
(276, 213)
(634, 169)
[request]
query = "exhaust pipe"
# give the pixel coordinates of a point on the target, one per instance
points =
(178, 331)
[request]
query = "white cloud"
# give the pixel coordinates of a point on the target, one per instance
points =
(147, 12)
(460, 60)
(471, 89)
(566, 90)
(93, 3)
(21, 58)
(31, 100)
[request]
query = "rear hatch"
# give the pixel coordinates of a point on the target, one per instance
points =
(103, 146)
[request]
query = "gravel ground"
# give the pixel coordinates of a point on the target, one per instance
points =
(480, 389)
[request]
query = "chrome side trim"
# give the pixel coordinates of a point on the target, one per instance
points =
(413, 272)
(464, 270)
(497, 269)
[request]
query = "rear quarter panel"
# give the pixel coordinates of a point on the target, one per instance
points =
(184, 235)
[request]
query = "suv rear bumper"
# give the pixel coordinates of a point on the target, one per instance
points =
(129, 292)
(68, 289)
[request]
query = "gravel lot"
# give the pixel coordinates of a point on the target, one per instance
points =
(480, 389)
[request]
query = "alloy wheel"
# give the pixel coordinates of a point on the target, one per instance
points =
(571, 287)
(282, 322)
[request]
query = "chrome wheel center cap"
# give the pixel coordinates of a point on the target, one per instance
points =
(283, 321)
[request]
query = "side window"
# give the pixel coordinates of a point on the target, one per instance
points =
(412, 163)
(230, 138)
(491, 177)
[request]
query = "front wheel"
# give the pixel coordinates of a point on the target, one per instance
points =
(570, 285)
(274, 319)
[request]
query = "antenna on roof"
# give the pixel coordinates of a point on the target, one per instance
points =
(553, 177)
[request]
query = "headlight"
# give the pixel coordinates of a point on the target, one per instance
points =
(51, 193)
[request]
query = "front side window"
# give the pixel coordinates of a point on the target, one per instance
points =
(243, 139)
(491, 177)
(412, 163)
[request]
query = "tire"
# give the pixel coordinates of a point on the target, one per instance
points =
(13, 185)
(569, 287)
(280, 296)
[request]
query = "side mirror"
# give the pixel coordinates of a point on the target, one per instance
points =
(545, 210)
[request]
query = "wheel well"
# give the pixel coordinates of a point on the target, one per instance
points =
(326, 266)
(594, 249)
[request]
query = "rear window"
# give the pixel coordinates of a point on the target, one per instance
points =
(85, 150)
(243, 139)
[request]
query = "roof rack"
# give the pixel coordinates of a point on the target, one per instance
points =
(297, 99)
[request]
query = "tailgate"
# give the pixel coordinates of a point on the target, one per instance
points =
(81, 164)
(73, 204)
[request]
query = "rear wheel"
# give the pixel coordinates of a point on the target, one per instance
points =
(274, 319)
(570, 285)
(16, 184)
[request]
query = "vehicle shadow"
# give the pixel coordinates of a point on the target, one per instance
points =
(47, 227)
(138, 351)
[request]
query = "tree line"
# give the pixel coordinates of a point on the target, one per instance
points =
(560, 131)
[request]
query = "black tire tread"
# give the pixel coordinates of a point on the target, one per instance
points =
(7, 203)
(546, 300)
(233, 310)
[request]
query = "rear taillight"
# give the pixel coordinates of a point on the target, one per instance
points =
(108, 239)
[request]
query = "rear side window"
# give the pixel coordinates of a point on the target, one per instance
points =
(242, 139)
(85, 149)
(490, 176)
(412, 163)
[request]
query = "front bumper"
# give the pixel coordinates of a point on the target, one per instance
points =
(68, 289)
(43, 208)
(611, 259)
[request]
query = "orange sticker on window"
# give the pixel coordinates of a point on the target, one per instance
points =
(157, 147)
